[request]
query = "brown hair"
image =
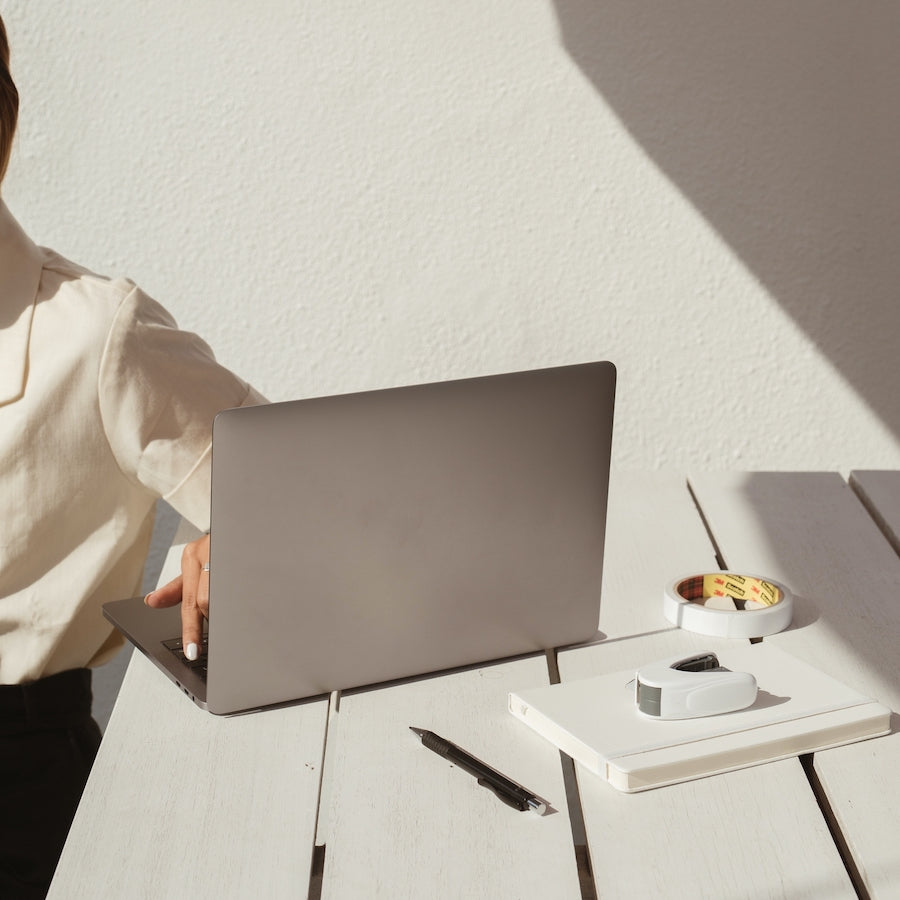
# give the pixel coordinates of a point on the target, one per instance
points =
(9, 103)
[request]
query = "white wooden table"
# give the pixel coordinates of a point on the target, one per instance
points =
(337, 799)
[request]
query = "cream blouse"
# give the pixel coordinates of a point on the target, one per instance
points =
(105, 406)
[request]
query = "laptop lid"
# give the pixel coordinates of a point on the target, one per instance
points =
(366, 537)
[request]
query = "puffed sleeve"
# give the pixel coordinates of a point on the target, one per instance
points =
(160, 389)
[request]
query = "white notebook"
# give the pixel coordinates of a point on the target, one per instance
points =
(799, 709)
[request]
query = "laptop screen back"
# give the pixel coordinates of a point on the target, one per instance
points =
(367, 537)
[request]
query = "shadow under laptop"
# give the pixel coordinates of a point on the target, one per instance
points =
(487, 667)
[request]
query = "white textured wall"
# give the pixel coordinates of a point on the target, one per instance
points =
(349, 195)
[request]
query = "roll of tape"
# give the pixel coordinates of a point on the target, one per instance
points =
(728, 604)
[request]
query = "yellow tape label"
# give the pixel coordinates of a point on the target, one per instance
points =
(727, 584)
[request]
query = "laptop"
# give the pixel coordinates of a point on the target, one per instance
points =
(369, 537)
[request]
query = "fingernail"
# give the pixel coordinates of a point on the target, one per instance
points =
(191, 651)
(147, 598)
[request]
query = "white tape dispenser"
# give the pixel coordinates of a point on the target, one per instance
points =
(688, 688)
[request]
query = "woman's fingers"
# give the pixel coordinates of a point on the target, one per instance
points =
(191, 589)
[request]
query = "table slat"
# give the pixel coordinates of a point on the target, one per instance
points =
(404, 823)
(752, 833)
(181, 803)
(810, 531)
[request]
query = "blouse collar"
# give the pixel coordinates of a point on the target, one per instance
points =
(20, 277)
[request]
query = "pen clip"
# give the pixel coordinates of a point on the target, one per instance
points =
(514, 802)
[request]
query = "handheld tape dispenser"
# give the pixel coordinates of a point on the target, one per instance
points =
(688, 688)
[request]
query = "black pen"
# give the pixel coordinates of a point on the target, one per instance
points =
(507, 790)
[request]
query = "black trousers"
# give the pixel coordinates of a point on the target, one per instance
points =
(48, 742)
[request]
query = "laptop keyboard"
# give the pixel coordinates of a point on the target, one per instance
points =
(198, 665)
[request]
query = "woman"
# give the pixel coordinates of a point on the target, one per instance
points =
(105, 406)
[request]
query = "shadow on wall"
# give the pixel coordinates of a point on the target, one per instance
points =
(780, 124)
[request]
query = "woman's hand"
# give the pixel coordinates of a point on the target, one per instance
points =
(191, 590)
